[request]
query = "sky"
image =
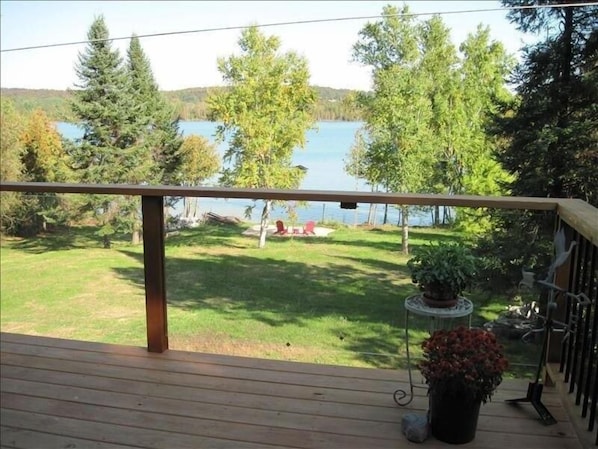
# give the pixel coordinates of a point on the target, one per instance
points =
(190, 60)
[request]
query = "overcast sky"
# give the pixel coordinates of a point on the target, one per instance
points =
(190, 60)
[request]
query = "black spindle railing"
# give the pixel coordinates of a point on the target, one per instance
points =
(579, 351)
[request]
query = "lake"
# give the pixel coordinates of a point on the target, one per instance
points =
(326, 149)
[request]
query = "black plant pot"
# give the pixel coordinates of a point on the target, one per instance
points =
(453, 419)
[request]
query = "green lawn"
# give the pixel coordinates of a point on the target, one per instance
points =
(332, 300)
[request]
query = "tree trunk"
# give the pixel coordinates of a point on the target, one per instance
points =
(446, 216)
(436, 216)
(405, 228)
(371, 213)
(136, 235)
(563, 83)
(385, 214)
(166, 214)
(186, 207)
(264, 223)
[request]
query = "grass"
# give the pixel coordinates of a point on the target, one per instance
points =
(336, 300)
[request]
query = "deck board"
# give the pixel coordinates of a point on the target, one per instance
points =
(64, 393)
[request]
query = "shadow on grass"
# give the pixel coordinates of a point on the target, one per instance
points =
(390, 238)
(278, 293)
(274, 291)
(64, 240)
(359, 292)
(206, 235)
(363, 291)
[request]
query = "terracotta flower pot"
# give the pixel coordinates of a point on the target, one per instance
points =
(439, 298)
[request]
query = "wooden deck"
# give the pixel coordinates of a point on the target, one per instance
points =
(65, 393)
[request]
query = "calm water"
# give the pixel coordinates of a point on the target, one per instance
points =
(325, 151)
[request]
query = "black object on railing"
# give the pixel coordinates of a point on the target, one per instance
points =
(534, 389)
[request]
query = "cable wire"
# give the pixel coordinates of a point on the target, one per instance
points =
(302, 22)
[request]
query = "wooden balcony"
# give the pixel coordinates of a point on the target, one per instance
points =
(62, 393)
(65, 393)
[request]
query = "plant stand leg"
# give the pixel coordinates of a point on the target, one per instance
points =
(400, 396)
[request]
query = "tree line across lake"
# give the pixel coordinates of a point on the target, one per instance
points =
(188, 104)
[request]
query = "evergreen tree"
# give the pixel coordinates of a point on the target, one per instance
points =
(553, 131)
(159, 134)
(104, 107)
(550, 136)
(113, 148)
(156, 117)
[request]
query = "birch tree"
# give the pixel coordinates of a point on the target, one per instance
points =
(266, 113)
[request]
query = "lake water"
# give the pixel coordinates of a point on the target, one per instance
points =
(324, 153)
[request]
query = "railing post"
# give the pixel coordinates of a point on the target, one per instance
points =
(152, 208)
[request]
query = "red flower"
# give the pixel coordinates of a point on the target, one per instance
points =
(463, 361)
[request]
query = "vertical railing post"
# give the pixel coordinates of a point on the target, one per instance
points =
(152, 208)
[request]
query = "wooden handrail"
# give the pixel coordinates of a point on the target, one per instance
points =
(577, 213)
(581, 216)
(420, 199)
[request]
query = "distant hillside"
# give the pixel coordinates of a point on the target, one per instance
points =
(333, 104)
(53, 102)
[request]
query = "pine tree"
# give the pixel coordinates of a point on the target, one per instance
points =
(551, 133)
(112, 149)
(103, 106)
(156, 117)
(159, 135)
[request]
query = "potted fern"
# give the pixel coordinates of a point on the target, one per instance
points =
(442, 271)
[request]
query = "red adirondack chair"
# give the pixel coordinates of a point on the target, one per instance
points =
(280, 229)
(309, 228)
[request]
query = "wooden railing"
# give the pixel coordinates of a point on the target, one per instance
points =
(578, 355)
